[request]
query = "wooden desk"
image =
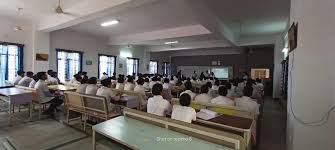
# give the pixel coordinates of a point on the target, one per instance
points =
(137, 135)
(232, 124)
(15, 96)
(62, 88)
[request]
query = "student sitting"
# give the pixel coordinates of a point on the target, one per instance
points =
(25, 81)
(129, 86)
(188, 90)
(92, 87)
(120, 83)
(183, 112)
(33, 82)
(216, 85)
(75, 81)
(204, 97)
(49, 72)
(104, 76)
(229, 90)
(246, 102)
(154, 80)
(172, 81)
(157, 104)
(107, 92)
(140, 89)
(19, 76)
(53, 79)
(45, 95)
(146, 83)
(166, 84)
(82, 87)
(222, 99)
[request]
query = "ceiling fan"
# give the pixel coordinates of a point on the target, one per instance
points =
(59, 9)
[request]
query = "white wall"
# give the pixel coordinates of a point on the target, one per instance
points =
(8, 34)
(313, 75)
(91, 46)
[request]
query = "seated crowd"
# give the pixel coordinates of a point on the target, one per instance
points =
(236, 92)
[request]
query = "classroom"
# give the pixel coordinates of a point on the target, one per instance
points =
(167, 74)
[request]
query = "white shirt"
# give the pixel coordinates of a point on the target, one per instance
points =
(119, 86)
(129, 86)
(166, 86)
(157, 105)
(189, 92)
(173, 82)
(146, 85)
(25, 81)
(215, 87)
(248, 103)
(32, 84)
(105, 92)
(139, 89)
(43, 91)
(204, 98)
(91, 89)
(52, 81)
(16, 80)
(103, 77)
(81, 88)
(222, 100)
(183, 113)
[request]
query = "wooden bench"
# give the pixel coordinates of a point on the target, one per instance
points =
(208, 134)
(88, 106)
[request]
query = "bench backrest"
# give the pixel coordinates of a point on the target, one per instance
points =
(73, 99)
(141, 97)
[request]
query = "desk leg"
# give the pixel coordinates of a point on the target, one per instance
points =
(10, 112)
(31, 111)
(93, 139)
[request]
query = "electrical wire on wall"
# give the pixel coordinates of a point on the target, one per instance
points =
(320, 122)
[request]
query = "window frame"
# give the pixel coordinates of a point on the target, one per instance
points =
(165, 68)
(138, 65)
(70, 51)
(20, 54)
(99, 63)
(156, 66)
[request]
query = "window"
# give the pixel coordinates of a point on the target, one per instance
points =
(69, 63)
(11, 60)
(260, 73)
(153, 67)
(107, 63)
(166, 68)
(132, 66)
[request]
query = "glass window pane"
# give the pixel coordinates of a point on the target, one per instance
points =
(68, 65)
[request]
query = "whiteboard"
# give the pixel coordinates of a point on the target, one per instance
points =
(188, 70)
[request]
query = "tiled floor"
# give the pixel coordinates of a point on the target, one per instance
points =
(273, 131)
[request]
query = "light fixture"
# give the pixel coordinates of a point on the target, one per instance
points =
(171, 42)
(124, 54)
(18, 27)
(109, 23)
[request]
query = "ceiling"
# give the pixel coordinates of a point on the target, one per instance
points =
(250, 17)
(221, 23)
(242, 18)
(152, 17)
(33, 10)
